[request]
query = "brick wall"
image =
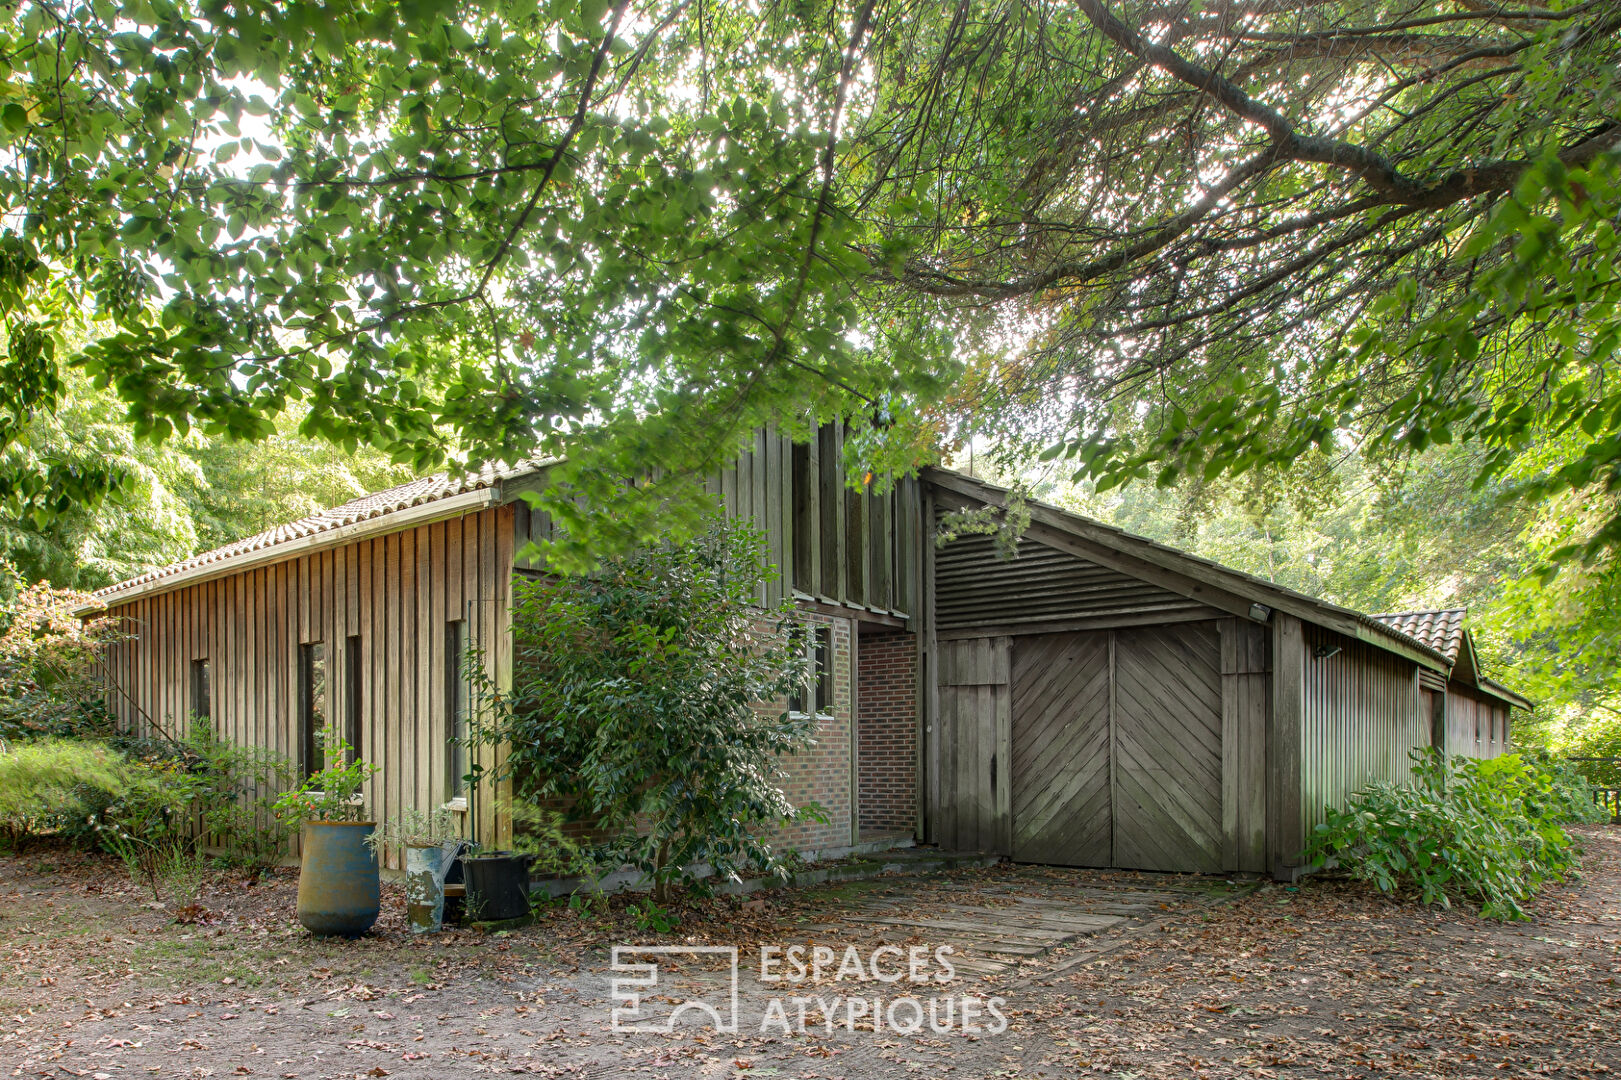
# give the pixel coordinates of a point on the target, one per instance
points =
(821, 774)
(886, 732)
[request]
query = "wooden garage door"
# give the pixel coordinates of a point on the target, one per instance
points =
(1167, 748)
(1117, 748)
(1061, 749)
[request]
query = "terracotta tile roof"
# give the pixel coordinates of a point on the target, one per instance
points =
(377, 504)
(1441, 630)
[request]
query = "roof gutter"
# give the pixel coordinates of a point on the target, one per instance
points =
(426, 513)
(1504, 694)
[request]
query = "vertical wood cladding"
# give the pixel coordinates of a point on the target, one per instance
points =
(392, 594)
(1475, 726)
(1363, 713)
(827, 541)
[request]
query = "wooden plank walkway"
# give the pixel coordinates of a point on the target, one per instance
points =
(1000, 927)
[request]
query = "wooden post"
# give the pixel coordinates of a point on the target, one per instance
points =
(1285, 823)
(928, 680)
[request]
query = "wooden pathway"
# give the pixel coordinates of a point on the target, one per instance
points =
(1001, 927)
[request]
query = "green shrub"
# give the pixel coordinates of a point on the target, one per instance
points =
(332, 793)
(636, 706)
(48, 784)
(1491, 831)
(183, 795)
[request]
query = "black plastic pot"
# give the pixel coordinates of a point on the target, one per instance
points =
(497, 885)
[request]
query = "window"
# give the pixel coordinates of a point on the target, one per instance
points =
(455, 711)
(202, 704)
(352, 699)
(818, 641)
(312, 703)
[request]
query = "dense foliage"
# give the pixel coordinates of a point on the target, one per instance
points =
(154, 804)
(184, 495)
(636, 704)
(1167, 239)
(1411, 533)
(51, 784)
(1492, 831)
(49, 681)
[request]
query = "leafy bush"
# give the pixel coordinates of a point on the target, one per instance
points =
(50, 684)
(1600, 738)
(1490, 831)
(332, 793)
(636, 705)
(47, 784)
(186, 794)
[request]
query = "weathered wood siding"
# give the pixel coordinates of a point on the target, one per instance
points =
(1063, 777)
(830, 543)
(978, 592)
(395, 592)
(1363, 713)
(970, 794)
(1142, 746)
(846, 546)
(1246, 705)
(1475, 726)
(1167, 752)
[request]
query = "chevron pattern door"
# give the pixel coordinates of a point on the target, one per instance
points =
(1117, 748)
(1061, 802)
(1167, 748)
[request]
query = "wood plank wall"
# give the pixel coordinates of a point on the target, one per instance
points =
(855, 548)
(1475, 726)
(970, 752)
(396, 592)
(1246, 702)
(977, 592)
(1363, 712)
(831, 543)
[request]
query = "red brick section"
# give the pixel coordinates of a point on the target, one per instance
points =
(821, 774)
(886, 732)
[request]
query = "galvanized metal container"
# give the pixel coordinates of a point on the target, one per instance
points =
(338, 888)
(424, 888)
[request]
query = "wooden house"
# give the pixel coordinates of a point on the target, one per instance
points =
(1100, 700)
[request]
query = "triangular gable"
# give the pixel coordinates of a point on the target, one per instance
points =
(1222, 588)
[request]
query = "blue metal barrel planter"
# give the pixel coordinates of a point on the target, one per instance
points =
(338, 888)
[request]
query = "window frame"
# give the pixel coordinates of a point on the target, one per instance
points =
(816, 642)
(456, 764)
(312, 703)
(202, 688)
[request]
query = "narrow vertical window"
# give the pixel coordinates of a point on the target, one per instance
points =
(817, 642)
(202, 705)
(455, 711)
(352, 699)
(798, 642)
(312, 703)
(822, 658)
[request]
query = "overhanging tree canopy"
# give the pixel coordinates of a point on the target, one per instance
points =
(1172, 236)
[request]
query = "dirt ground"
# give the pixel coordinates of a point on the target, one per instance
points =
(1317, 980)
